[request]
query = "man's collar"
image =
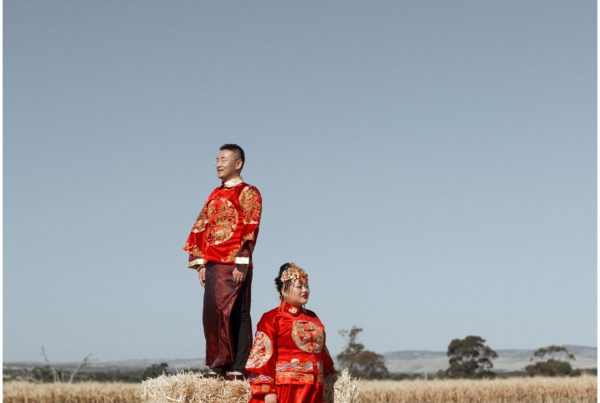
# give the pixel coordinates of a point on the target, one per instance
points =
(233, 182)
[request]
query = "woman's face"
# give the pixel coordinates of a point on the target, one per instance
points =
(298, 293)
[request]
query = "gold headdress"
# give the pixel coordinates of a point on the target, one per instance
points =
(293, 272)
(287, 278)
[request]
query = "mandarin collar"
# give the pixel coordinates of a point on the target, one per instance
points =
(291, 309)
(233, 182)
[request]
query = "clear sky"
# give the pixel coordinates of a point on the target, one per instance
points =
(431, 164)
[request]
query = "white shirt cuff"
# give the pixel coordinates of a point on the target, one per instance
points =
(196, 262)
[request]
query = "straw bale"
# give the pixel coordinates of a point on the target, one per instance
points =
(188, 387)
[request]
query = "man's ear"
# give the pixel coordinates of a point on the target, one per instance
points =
(239, 164)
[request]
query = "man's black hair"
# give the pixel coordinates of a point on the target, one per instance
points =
(236, 148)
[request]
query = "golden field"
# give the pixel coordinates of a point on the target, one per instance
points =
(546, 390)
(542, 390)
(85, 392)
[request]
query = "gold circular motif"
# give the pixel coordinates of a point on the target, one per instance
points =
(308, 336)
(223, 218)
(262, 350)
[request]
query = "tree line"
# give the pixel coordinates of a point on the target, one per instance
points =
(469, 358)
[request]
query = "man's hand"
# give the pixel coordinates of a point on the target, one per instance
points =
(271, 398)
(238, 276)
(202, 275)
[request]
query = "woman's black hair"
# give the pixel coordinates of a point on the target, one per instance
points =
(278, 283)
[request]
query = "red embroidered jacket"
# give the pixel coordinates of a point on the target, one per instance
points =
(289, 348)
(227, 226)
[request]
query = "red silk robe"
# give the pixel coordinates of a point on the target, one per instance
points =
(289, 356)
(223, 237)
(227, 226)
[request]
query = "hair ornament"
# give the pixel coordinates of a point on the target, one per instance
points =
(294, 272)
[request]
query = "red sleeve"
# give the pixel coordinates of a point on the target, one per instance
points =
(251, 205)
(195, 240)
(261, 362)
(197, 237)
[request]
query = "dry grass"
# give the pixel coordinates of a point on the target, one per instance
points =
(190, 388)
(85, 392)
(539, 390)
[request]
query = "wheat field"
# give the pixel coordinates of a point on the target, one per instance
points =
(534, 390)
(85, 392)
(531, 390)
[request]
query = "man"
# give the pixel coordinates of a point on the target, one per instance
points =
(220, 248)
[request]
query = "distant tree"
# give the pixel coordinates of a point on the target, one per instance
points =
(49, 373)
(155, 370)
(470, 358)
(57, 376)
(361, 363)
(46, 374)
(550, 361)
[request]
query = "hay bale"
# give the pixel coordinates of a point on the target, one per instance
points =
(188, 387)
(341, 388)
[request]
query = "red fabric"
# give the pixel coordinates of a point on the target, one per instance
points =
(220, 295)
(306, 393)
(227, 226)
(289, 356)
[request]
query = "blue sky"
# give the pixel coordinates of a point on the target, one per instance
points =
(432, 165)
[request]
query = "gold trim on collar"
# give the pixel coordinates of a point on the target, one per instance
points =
(233, 182)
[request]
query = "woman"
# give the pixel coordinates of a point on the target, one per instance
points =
(288, 361)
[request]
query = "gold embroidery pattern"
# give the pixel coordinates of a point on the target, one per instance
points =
(294, 366)
(261, 383)
(287, 378)
(194, 250)
(308, 336)
(261, 351)
(201, 221)
(259, 389)
(260, 378)
(223, 217)
(296, 372)
(250, 203)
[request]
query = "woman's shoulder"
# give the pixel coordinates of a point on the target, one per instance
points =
(270, 313)
(311, 314)
(269, 316)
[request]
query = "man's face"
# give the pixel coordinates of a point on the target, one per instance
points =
(229, 165)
